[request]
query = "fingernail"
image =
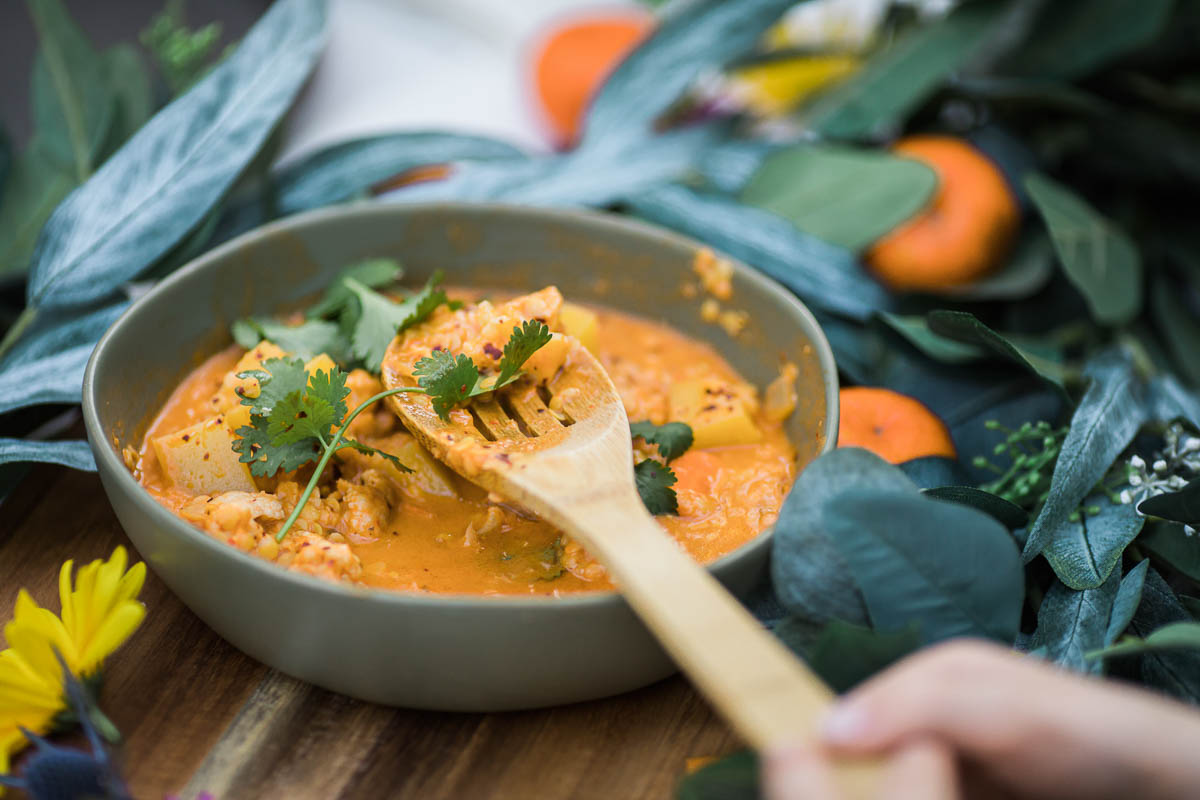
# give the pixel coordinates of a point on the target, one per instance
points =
(845, 723)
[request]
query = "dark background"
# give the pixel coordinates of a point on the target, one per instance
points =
(105, 22)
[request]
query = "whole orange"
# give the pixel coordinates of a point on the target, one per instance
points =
(964, 233)
(576, 57)
(893, 426)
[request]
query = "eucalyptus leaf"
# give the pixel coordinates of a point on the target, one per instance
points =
(1176, 672)
(930, 472)
(165, 179)
(820, 273)
(55, 378)
(1027, 270)
(1072, 40)
(1176, 636)
(845, 196)
(694, 36)
(1072, 623)
(951, 570)
(901, 77)
(75, 454)
(55, 333)
(1172, 545)
(1010, 515)
(940, 348)
(845, 655)
(965, 328)
(811, 577)
(34, 188)
(1169, 400)
(1129, 597)
(1098, 257)
(1105, 422)
(733, 777)
(347, 169)
(729, 166)
(1083, 552)
(1181, 506)
(72, 103)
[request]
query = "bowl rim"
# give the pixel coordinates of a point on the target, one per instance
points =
(108, 460)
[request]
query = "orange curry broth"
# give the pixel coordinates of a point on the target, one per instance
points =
(727, 495)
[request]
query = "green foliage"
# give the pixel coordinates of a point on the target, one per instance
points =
(845, 196)
(951, 570)
(1072, 623)
(1032, 450)
(672, 439)
(734, 777)
(380, 319)
(1007, 513)
(308, 339)
(1176, 636)
(1182, 506)
(451, 380)
(654, 482)
(183, 55)
(845, 655)
(1098, 257)
(966, 329)
(1174, 547)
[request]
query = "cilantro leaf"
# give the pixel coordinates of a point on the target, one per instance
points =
(654, 482)
(278, 378)
(264, 456)
(673, 439)
(354, 444)
(524, 342)
(380, 319)
(308, 339)
(373, 273)
(448, 380)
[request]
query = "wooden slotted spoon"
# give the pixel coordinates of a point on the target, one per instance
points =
(577, 474)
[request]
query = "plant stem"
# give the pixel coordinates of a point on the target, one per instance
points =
(19, 326)
(330, 449)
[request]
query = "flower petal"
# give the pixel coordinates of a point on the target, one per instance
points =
(111, 634)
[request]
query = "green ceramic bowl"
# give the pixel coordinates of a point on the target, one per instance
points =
(448, 652)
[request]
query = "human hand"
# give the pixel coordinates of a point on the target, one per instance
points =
(1013, 726)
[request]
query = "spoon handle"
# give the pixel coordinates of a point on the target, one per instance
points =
(766, 694)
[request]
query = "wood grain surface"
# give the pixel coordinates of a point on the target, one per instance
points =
(198, 716)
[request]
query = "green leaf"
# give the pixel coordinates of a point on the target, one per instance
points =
(808, 571)
(75, 454)
(51, 335)
(380, 319)
(308, 339)
(691, 38)
(1071, 40)
(372, 273)
(1129, 597)
(1178, 326)
(940, 348)
(448, 380)
(1026, 272)
(900, 78)
(127, 216)
(523, 343)
(965, 328)
(183, 54)
(33, 190)
(845, 196)
(734, 777)
(1175, 547)
(129, 83)
(72, 103)
(1083, 552)
(311, 412)
(952, 570)
(54, 378)
(1098, 257)
(1010, 515)
(1175, 671)
(654, 482)
(846, 655)
(1071, 623)
(823, 275)
(1181, 506)
(1105, 422)
(1176, 636)
(672, 439)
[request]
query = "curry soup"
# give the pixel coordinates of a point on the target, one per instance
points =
(430, 530)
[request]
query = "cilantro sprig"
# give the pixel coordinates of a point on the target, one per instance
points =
(298, 417)
(450, 380)
(352, 323)
(654, 480)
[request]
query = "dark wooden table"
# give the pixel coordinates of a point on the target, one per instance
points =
(198, 715)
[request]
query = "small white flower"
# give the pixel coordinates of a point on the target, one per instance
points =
(1126, 497)
(1137, 462)
(1135, 479)
(1160, 466)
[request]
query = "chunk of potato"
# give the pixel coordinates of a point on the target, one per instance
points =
(716, 410)
(428, 474)
(582, 323)
(546, 361)
(251, 360)
(200, 458)
(321, 363)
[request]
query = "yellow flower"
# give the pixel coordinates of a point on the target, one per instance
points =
(99, 612)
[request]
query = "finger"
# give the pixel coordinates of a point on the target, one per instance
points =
(923, 770)
(798, 772)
